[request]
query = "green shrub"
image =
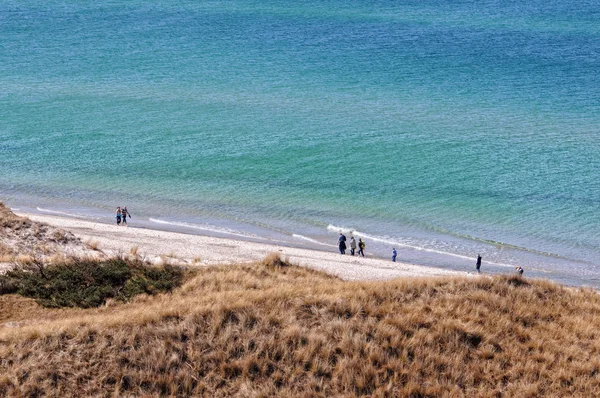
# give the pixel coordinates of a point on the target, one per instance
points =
(89, 283)
(7, 285)
(151, 280)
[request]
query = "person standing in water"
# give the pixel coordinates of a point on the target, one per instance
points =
(478, 264)
(342, 243)
(361, 247)
(118, 215)
(125, 213)
(394, 253)
(352, 245)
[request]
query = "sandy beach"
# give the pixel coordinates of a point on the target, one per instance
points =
(196, 250)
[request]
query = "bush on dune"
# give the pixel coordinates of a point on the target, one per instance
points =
(88, 283)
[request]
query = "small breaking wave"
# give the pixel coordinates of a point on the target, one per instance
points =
(392, 242)
(306, 238)
(207, 228)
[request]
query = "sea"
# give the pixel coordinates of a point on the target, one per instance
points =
(445, 129)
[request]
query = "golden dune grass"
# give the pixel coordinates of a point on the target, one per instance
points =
(264, 330)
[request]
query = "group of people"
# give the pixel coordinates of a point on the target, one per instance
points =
(342, 245)
(361, 252)
(122, 214)
(361, 246)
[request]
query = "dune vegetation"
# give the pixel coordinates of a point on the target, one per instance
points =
(274, 329)
(22, 240)
(89, 283)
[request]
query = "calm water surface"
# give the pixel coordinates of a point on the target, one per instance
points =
(444, 129)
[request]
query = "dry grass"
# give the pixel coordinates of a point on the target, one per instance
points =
(274, 259)
(5, 250)
(8, 220)
(257, 330)
(6, 253)
(21, 236)
(93, 245)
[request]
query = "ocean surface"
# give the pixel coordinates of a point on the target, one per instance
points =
(442, 128)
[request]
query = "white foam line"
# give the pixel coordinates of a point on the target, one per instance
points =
(333, 228)
(311, 240)
(396, 243)
(62, 213)
(202, 228)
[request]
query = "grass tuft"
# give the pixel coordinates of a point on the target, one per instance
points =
(516, 281)
(93, 244)
(274, 260)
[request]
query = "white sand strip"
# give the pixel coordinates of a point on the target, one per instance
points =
(205, 250)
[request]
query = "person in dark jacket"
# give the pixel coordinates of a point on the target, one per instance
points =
(342, 243)
(361, 247)
(478, 263)
(125, 213)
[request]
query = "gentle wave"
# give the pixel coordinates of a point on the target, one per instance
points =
(208, 228)
(63, 213)
(496, 243)
(311, 240)
(397, 243)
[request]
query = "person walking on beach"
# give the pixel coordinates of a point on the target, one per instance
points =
(478, 264)
(118, 215)
(520, 271)
(394, 253)
(125, 213)
(352, 245)
(342, 243)
(361, 247)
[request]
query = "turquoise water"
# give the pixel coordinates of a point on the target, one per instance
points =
(446, 129)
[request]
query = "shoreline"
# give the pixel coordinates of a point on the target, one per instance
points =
(245, 231)
(159, 246)
(244, 245)
(497, 260)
